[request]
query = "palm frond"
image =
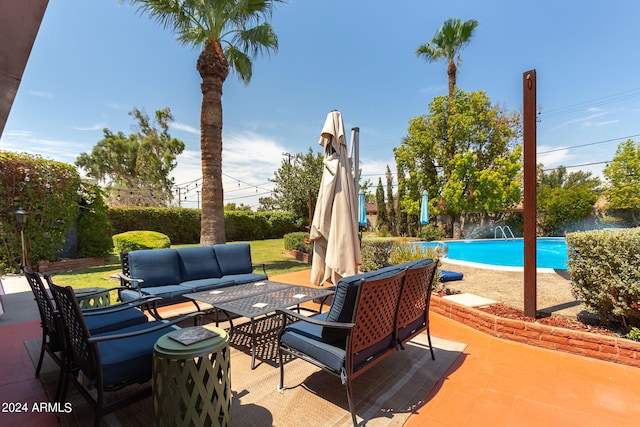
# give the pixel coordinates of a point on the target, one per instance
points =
(260, 39)
(240, 63)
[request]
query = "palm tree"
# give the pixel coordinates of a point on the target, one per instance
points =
(447, 43)
(231, 33)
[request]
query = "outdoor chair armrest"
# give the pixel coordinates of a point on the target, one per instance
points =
(144, 331)
(122, 306)
(324, 323)
(264, 269)
(102, 291)
(126, 279)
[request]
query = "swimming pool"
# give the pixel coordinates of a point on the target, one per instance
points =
(551, 252)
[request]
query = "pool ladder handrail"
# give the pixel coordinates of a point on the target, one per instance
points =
(503, 233)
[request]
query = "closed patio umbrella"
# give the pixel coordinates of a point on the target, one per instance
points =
(334, 228)
(424, 208)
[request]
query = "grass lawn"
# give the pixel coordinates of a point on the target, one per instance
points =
(268, 252)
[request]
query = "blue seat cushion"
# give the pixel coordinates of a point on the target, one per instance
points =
(307, 338)
(169, 293)
(234, 258)
(239, 279)
(100, 323)
(128, 358)
(207, 284)
(198, 262)
(157, 267)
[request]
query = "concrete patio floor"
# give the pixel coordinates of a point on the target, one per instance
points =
(494, 383)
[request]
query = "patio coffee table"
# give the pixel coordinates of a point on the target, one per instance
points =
(252, 300)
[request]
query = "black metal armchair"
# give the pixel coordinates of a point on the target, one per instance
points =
(99, 320)
(347, 349)
(108, 362)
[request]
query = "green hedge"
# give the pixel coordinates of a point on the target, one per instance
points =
(604, 266)
(140, 239)
(182, 225)
(297, 242)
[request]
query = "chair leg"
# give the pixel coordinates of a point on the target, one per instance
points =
(351, 405)
(433, 356)
(44, 340)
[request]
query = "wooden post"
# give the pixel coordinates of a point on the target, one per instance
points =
(530, 184)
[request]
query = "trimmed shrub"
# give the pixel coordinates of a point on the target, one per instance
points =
(604, 266)
(404, 251)
(375, 253)
(136, 240)
(431, 231)
(297, 242)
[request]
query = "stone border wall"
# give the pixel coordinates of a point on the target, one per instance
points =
(609, 348)
(68, 264)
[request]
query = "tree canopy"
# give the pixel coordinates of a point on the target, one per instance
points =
(295, 180)
(464, 153)
(623, 176)
(136, 167)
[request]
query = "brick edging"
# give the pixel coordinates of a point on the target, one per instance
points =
(609, 348)
(68, 264)
(300, 256)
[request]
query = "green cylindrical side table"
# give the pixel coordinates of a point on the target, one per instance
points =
(192, 383)
(92, 297)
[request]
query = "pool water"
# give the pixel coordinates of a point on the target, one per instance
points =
(551, 252)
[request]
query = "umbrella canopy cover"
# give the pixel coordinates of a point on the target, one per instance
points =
(362, 210)
(334, 230)
(424, 208)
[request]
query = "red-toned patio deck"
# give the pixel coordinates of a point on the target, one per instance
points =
(494, 383)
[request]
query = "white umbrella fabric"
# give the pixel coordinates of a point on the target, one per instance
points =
(334, 229)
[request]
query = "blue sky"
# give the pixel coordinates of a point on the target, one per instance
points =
(94, 61)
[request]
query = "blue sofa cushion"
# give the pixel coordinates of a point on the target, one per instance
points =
(239, 279)
(169, 293)
(207, 284)
(100, 323)
(307, 338)
(198, 262)
(234, 258)
(156, 266)
(128, 358)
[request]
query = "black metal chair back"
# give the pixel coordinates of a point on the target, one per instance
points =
(52, 340)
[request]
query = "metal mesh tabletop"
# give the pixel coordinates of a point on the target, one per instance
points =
(256, 305)
(229, 293)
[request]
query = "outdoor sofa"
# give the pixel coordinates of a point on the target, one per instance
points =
(372, 316)
(171, 273)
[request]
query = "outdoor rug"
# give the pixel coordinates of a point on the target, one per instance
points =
(384, 396)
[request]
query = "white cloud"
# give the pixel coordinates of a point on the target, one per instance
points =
(249, 160)
(185, 128)
(586, 121)
(48, 95)
(30, 142)
(97, 126)
(552, 156)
